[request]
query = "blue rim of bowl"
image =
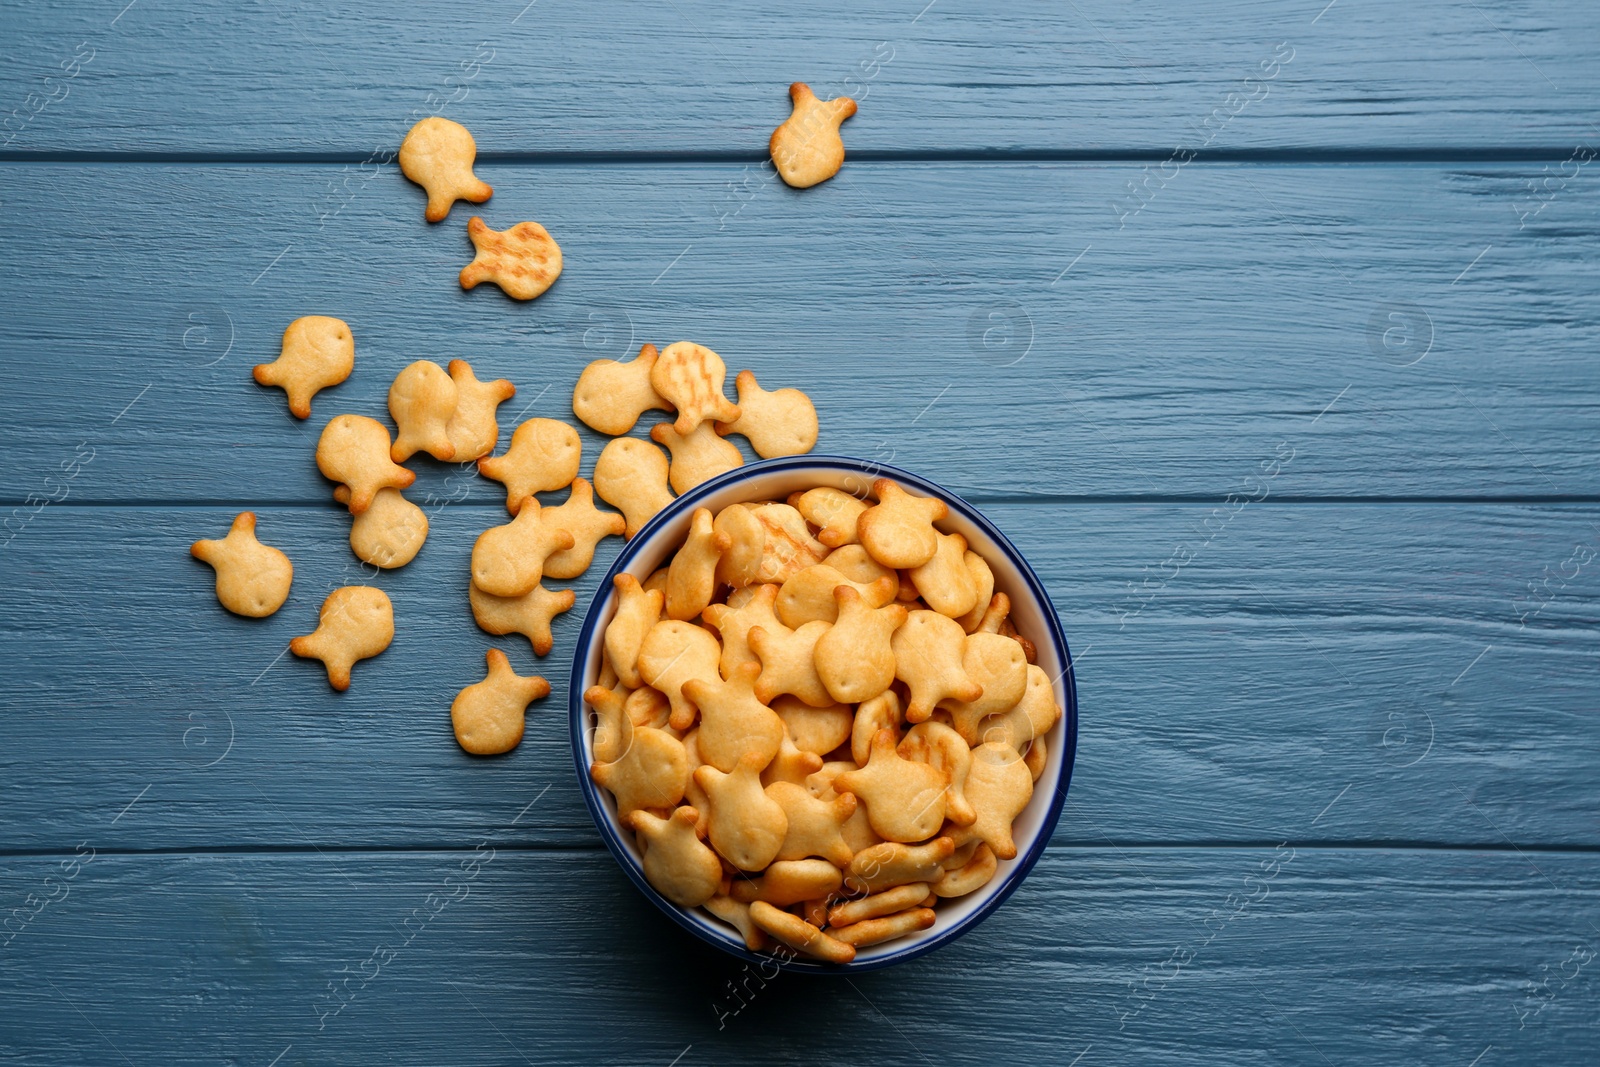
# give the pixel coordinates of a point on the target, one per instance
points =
(579, 713)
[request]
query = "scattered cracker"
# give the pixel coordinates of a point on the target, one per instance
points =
(388, 534)
(544, 455)
(356, 623)
(523, 261)
(253, 579)
(422, 399)
(586, 523)
(438, 154)
(529, 614)
(509, 560)
(632, 475)
(354, 449)
(318, 351)
(610, 396)
(690, 377)
(780, 423)
(698, 457)
(472, 428)
(488, 716)
(807, 148)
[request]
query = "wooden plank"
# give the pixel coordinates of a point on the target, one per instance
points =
(1392, 658)
(1211, 956)
(1002, 328)
(691, 76)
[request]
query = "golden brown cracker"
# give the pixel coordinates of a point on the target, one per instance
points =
(509, 560)
(788, 662)
(676, 862)
(610, 396)
(733, 626)
(814, 824)
(671, 654)
(421, 400)
(544, 456)
(905, 799)
(855, 658)
(945, 581)
(523, 261)
(799, 934)
(733, 723)
(388, 534)
(356, 623)
(999, 787)
(487, 716)
(354, 450)
(745, 826)
(529, 614)
(780, 423)
(898, 530)
(928, 653)
(253, 579)
(692, 574)
(438, 154)
(632, 475)
(586, 523)
(787, 882)
(472, 429)
(698, 457)
(690, 377)
(318, 351)
(807, 149)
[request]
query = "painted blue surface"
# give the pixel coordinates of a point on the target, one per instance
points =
(1334, 799)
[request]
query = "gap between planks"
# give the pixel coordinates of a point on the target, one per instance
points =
(1326, 845)
(1217, 156)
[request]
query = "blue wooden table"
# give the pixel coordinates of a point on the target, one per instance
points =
(1268, 331)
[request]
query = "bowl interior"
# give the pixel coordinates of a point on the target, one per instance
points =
(1031, 612)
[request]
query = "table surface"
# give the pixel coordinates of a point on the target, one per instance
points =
(1267, 331)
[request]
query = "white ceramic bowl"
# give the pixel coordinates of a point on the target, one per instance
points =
(1031, 611)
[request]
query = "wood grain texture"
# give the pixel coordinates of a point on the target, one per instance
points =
(1210, 956)
(939, 313)
(1388, 656)
(693, 76)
